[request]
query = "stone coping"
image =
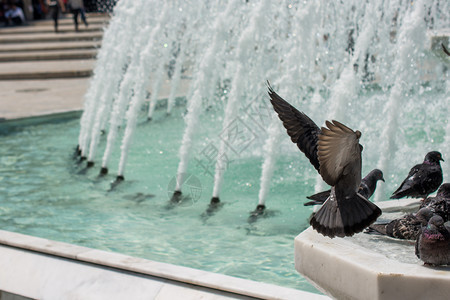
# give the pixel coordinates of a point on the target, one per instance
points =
(171, 272)
(343, 269)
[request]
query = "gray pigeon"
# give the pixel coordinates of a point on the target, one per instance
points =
(335, 152)
(440, 204)
(405, 228)
(423, 179)
(366, 188)
(433, 243)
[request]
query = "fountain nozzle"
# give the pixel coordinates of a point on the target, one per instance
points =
(260, 208)
(118, 180)
(103, 171)
(176, 197)
(258, 212)
(77, 151)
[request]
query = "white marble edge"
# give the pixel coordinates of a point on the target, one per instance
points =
(396, 204)
(377, 263)
(157, 269)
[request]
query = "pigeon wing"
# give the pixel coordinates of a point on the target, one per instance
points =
(338, 151)
(302, 130)
(406, 228)
(421, 181)
(409, 181)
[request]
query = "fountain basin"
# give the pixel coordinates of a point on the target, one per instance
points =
(345, 269)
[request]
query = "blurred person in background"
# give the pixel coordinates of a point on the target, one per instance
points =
(14, 15)
(77, 7)
(54, 6)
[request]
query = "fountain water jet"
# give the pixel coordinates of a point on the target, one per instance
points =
(297, 67)
(201, 84)
(176, 77)
(160, 71)
(246, 47)
(107, 75)
(145, 66)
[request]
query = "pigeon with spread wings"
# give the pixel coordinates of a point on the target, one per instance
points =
(335, 152)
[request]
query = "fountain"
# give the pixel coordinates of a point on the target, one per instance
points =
(367, 64)
(236, 45)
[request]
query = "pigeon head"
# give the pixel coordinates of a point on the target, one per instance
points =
(435, 223)
(434, 229)
(377, 174)
(444, 191)
(424, 215)
(433, 157)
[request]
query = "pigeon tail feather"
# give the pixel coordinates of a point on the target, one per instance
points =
(320, 198)
(345, 218)
(401, 193)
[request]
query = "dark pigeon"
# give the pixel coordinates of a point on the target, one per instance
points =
(440, 204)
(433, 243)
(405, 228)
(335, 152)
(366, 188)
(423, 179)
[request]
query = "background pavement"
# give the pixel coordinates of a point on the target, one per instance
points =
(43, 72)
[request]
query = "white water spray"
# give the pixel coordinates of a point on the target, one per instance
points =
(411, 36)
(325, 57)
(107, 75)
(202, 82)
(246, 45)
(145, 66)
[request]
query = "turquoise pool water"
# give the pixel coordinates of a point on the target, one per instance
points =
(44, 192)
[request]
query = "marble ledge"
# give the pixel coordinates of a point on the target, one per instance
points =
(37, 244)
(399, 205)
(179, 277)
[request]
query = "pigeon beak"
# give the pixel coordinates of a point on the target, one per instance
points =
(382, 179)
